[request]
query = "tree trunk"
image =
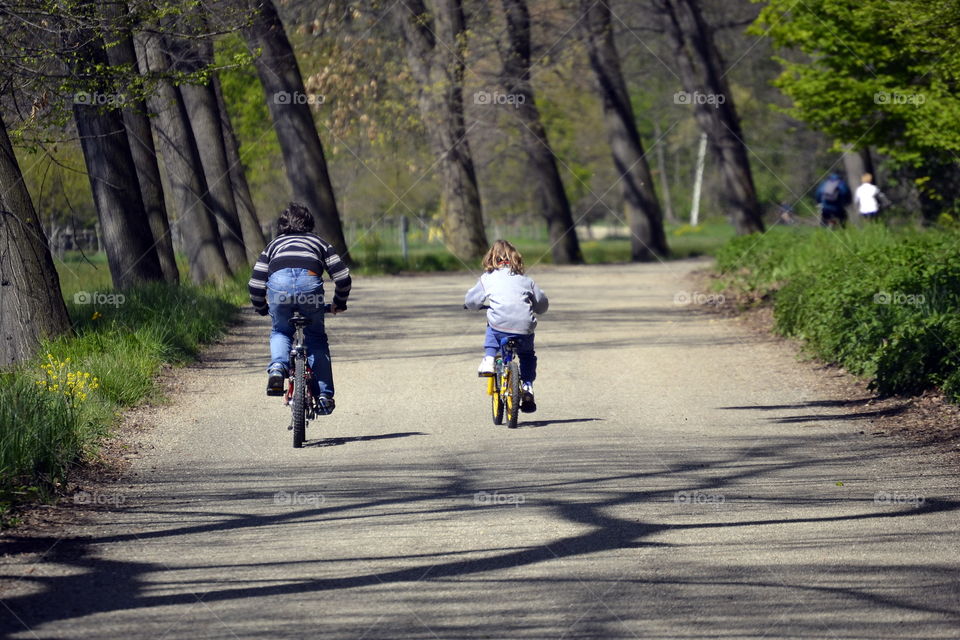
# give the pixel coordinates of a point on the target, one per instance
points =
(647, 238)
(31, 304)
(144, 154)
(131, 252)
(551, 197)
(184, 169)
(701, 71)
(857, 162)
(203, 112)
(662, 170)
(253, 238)
(435, 45)
(293, 120)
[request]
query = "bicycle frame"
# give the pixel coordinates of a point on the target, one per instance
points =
(504, 385)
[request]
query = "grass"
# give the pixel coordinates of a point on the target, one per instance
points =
(55, 408)
(882, 303)
(378, 252)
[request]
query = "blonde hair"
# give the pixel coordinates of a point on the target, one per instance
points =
(503, 254)
(867, 177)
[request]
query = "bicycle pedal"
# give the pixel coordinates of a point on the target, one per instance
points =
(485, 374)
(276, 392)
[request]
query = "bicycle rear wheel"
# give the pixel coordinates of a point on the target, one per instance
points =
(298, 403)
(512, 389)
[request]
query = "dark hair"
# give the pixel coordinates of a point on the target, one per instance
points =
(296, 218)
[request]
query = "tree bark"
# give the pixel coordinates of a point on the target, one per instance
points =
(435, 43)
(31, 303)
(551, 198)
(300, 144)
(253, 238)
(644, 217)
(137, 123)
(857, 162)
(184, 169)
(701, 71)
(129, 242)
(203, 111)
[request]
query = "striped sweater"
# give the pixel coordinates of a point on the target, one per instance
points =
(299, 251)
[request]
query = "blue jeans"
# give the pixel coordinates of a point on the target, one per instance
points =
(528, 358)
(290, 290)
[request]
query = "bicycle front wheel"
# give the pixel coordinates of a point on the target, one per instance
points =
(496, 401)
(298, 403)
(512, 392)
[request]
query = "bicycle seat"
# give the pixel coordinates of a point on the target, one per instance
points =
(299, 321)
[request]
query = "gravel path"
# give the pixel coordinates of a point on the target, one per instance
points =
(683, 478)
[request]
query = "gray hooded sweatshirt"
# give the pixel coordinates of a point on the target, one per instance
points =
(514, 301)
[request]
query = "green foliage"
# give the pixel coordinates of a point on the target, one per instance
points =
(54, 409)
(874, 73)
(881, 303)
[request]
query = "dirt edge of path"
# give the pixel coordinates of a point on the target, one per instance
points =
(927, 422)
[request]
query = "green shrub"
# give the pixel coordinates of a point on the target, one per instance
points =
(55, 408)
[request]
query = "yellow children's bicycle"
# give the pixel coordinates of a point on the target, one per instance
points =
(503, 386)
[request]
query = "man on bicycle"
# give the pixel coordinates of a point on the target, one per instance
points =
(287, 278)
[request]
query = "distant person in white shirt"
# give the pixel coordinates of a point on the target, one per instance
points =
(867, 198)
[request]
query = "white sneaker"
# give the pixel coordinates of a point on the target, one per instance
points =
(486, 367)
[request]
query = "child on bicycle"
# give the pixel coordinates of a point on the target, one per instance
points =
(513, 301)
(287, 278)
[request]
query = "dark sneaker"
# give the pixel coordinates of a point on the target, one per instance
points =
(324, 405)
(527, 404)
(275, 380)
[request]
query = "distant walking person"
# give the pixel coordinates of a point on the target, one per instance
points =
(868, 198)
(832, 196)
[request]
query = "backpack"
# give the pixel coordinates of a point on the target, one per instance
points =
(831, 191)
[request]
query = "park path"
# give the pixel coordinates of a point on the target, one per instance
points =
(684, 478)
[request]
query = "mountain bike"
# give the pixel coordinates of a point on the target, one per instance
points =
(303, 406)
(503, 386)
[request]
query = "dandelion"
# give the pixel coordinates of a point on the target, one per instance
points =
(96, 315)
(73, 385)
